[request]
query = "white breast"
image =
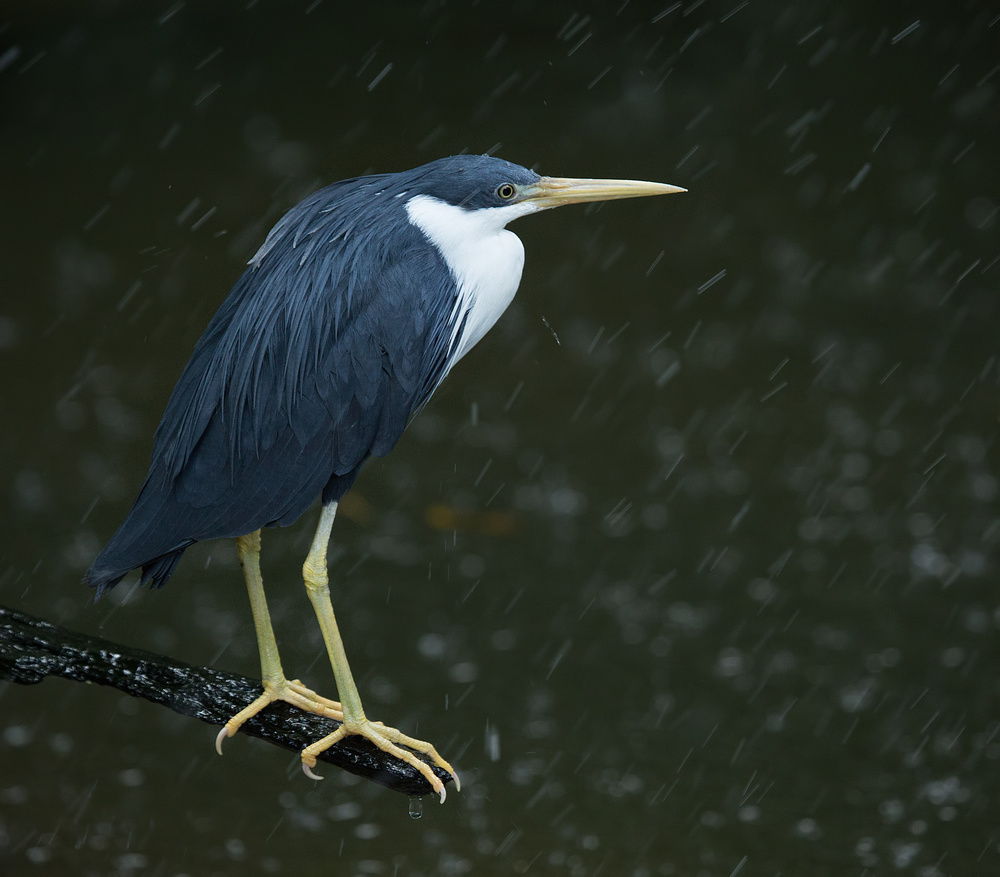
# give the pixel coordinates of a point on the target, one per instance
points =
(485, 259)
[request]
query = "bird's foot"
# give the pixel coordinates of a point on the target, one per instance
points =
(388, 740)
(291, 691)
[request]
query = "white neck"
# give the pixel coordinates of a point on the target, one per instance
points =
(484, 258)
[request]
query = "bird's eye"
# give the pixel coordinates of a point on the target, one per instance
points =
(505, 191)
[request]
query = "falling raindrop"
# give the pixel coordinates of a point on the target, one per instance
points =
(416, 808)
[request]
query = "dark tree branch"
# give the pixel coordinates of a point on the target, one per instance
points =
(31, 649)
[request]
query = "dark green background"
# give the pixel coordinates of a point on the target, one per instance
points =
(744, 618)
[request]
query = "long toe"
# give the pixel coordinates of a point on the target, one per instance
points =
(388, 740)
(248, 712)
(422, 746)
(293, 692)
(308, 700)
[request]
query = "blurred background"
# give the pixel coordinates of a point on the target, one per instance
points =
(689, 568)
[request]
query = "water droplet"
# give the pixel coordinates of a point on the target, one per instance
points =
(416, 808)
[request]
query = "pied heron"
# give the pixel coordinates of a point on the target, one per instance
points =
(358, 303)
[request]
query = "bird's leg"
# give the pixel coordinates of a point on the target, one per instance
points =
(389, 740)
(276, 686)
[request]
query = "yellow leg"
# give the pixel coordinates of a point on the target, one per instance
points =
(389, 740)
(276, 686)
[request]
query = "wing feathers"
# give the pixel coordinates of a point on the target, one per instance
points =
(311, 365)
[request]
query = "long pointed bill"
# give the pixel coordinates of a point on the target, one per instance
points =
(556, 191)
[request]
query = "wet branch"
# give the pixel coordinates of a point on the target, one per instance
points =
(31, 649)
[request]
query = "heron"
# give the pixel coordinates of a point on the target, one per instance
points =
(358, 303)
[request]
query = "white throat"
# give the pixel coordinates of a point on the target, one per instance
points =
(484, 258)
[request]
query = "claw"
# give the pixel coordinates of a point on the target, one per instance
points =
(308, 771)
(385, 738)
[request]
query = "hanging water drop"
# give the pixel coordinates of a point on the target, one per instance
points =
(416, 808)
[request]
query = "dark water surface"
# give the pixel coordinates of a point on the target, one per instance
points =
(690, 568)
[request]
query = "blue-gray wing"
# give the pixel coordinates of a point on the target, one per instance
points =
(316, 360)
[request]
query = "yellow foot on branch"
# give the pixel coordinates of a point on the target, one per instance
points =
(291, 691)
(388, 740)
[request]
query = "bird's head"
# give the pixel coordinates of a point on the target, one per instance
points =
(478, 182)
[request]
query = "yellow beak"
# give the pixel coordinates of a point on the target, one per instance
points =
(556, 191)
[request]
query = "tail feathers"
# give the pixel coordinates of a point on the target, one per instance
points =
(156, 572)
(102, 579)
(104, 576)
